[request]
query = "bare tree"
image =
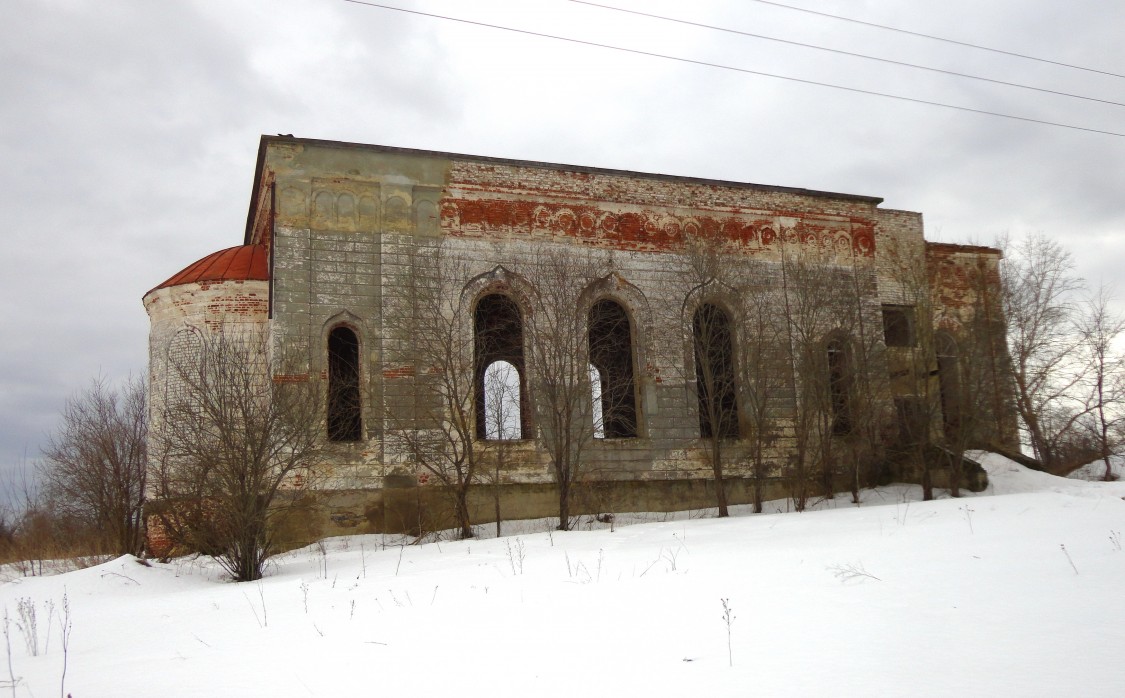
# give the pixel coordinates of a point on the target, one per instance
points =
(1099, 329)
(868, 388)
(764, 374)
(438, 431)
(912, 361)
(560, 374)
(709, 274)
(95, 463)
(502, 417)
(234, 431)
(1039, 304)
(820, 318)
(29, 533)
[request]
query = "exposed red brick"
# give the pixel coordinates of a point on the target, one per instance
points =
(649, 229)
(399, 372)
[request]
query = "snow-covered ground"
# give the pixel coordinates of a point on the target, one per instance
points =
(1016, 592)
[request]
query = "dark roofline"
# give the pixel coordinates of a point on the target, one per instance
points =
(255, 188)
(873, 200)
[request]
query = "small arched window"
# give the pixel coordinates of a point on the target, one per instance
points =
(714, 372)
(839, 385)
(611, 378)
(498, 350)
(345, 420)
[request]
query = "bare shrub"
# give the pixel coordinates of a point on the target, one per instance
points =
(560, 374)
(95, 464)
(231, 438)
(437, 429)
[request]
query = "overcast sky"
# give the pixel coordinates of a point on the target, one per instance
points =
(128, 130)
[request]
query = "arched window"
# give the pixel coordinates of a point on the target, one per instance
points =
(949, 383)
(839, 385)
(501, 401)
(498, 338)
(714, 372)
(611, 358)
(345, 421)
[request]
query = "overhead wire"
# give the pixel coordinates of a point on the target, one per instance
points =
(846, 53)
(938, 38)
(748, 71)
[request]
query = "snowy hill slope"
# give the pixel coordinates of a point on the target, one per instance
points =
(1014, 592)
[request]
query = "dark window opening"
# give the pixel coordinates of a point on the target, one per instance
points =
(611, 356)
(949, 385)
(839, 387)
(714, 373)
(498, 337)
(345, 421)
(898, 326)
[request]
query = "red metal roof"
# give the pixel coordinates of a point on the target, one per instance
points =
(242, 263)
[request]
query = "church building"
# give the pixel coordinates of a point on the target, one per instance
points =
(786, 342)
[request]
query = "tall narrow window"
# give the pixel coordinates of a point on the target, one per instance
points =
(839, 386)
(345, 422)
(498, 338)
(611, 356)
(714, 372)
(949, 383)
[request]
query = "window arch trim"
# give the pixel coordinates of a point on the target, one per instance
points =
(488, 349)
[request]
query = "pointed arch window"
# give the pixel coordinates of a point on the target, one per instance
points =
(345, 419)
(714, 372)
(500, 382)
(613, 389)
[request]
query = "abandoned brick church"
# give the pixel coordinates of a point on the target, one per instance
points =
(836, 328)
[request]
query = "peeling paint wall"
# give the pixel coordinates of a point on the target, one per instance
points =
(344, 223)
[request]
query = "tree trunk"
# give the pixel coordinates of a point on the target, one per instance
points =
(496, 492)
(720, 485)
(463, 519)
(759, 469)
(564, 504)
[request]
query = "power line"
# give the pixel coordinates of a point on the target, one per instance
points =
(939, 38)
(847, 53)
(747, 71)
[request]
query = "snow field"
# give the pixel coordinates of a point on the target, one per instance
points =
(971, 596)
